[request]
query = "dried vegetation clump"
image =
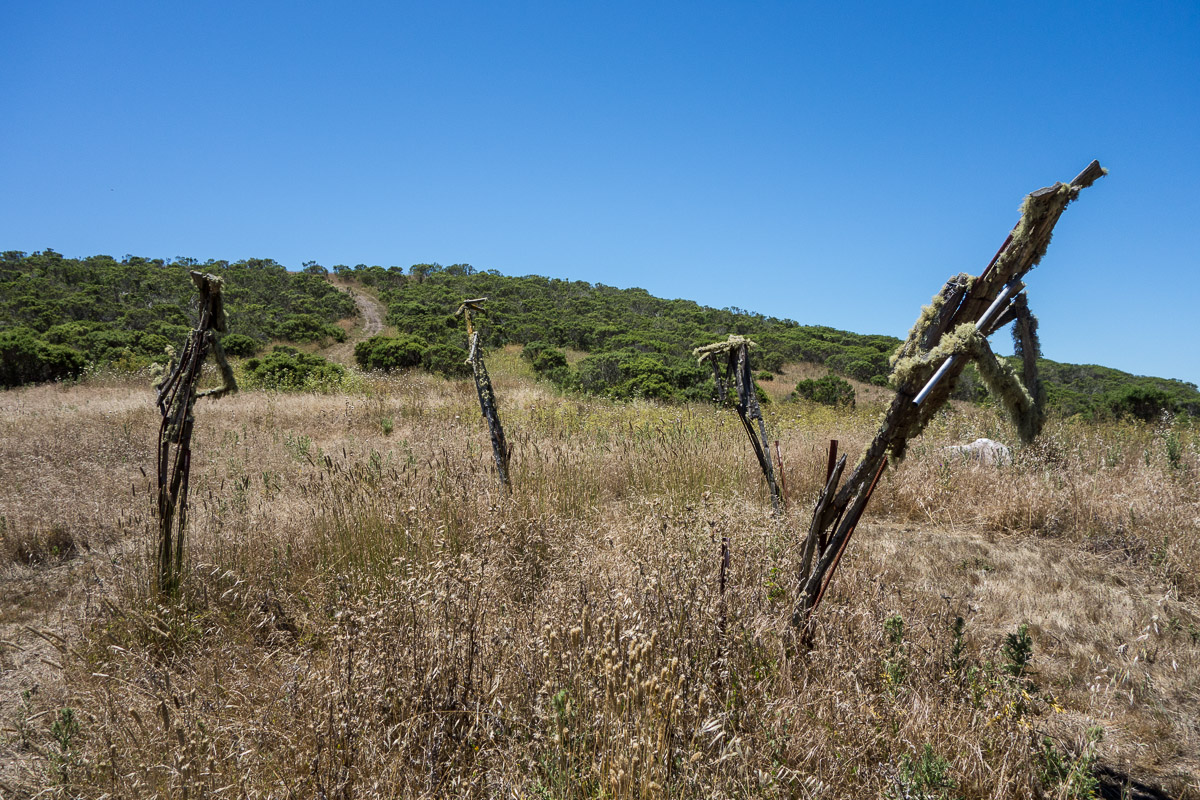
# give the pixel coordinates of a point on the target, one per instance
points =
(365, 613)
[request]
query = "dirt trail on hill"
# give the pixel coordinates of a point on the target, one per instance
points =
(371, 315)
(372, 312)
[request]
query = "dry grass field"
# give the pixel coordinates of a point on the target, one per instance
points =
(364, 614)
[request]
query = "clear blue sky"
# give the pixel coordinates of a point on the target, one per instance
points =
(833, 163)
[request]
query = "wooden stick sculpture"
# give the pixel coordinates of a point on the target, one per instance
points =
(735, 352)
(177, 397)
(483, 386)
(950, 332)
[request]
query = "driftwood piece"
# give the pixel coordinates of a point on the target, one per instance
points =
(483, 387)
(949, 333)
(176, 400)
(735, 353)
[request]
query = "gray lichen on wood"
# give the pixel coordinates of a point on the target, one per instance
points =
(483, 387)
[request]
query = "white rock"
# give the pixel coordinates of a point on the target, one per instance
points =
(983, 451)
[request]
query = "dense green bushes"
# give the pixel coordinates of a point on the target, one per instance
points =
(387, 353)
(235, 344)
(288, 369)
(1142, 402)
(308, 328)
(637, 345)
(126, 312)
(830, 391)
(1095, 391)
(26, 358)
(615, 325)
(446, 360)
(548, 362)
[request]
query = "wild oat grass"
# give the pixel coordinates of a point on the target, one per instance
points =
(366, 614)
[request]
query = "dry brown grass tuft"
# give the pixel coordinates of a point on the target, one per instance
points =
(367, 614)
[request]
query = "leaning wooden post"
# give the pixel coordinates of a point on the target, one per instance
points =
(483, 386)
(176, 399)
(736, 353)
(950, 332)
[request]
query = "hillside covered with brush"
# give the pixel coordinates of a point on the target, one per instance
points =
(58, 316)
(640, 345)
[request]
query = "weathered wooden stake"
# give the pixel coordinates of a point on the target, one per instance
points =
(782, 474)
(483, 387)
(176, 399)
(736, 351)
(950, 332)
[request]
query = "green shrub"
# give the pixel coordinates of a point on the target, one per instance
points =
(630, 373)
(551, 363)
(830, 391)
(27, 358)
(308, 328)
(446, 360)
(154, 345)
(532, 350)
(387, 353)
(1067, 776)
(926, 777)
(1143, 402)
(237, 344)
(287, 369)
(1017, 651)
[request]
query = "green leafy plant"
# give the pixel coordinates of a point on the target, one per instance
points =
(387, 353)
(287, 369)
(123, 314)
(830, 391)
(1071, 777)
(63, 730)
(895, 666)
(237, 344)
(1174, 450)
(27, 358)
(446, 360)
(1017, 651)
(924, 777)
(958, 647)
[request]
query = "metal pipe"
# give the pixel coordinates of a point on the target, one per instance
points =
(1005, 293)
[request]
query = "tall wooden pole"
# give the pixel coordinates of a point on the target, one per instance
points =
(487, 397)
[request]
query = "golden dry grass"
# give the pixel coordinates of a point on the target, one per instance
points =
(366, 614)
